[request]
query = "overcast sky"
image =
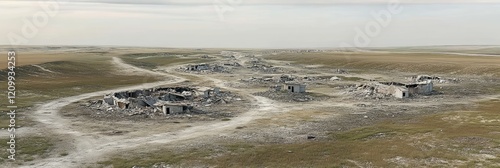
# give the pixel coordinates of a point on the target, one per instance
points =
(252, 23)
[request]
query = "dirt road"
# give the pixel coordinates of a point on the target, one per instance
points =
(91, 147)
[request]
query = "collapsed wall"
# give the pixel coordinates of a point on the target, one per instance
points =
(393, 89)
(162, 101)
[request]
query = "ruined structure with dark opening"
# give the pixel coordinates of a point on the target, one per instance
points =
(296, 88)
(167, 99)
(401, 90)
(164, 101)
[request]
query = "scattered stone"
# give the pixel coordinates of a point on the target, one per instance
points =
(335, 78)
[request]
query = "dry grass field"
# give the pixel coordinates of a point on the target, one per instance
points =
(493, 50)
(465, 135)
(414, 63)
(62, 74)
(154, 60)
(451, 139)
(37, 58)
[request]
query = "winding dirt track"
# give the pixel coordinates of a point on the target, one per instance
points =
(91, 147)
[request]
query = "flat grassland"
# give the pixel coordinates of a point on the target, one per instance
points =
(466, 138)
(413, 62)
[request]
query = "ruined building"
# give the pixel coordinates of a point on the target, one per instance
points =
(168, 100)
(401, 90)
(296, 88)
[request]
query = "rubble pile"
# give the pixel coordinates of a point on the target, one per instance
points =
(220, 97)
(232, 54)
(259, 80)
(378, 90)
(165, 101)
(289, 78)
(435, 79)
(265, 68)
(206, 57)
(211, 68)
(286, 78)
(274, 52)
(256, 64)
(369, 90)
(341, 71)
(270, 79)
(321, 78)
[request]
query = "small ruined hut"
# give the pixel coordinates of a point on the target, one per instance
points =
(401, 90)
(296, 87)
(198, 67)
(169, 108)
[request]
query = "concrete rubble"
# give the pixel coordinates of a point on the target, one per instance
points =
(163, 101)
(209, 68)
(290, 92)
(257, 65)
(276, 52)
(341, 71)
(392, 89)
(434, 79)
(335, 79)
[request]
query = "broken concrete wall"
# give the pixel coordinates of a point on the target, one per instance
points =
(383, 89)
(175, 97)
(393, 90)
(206, 93)
(401, 93)
(421, 88)
(199, 67)
(172, 109)
(295, 88)
(136, 103)
(276, 88)
(150, 101)
(109, 100)
(426, 88)
(136, 93)
(122, 105)
(202, 67)
(120, 95)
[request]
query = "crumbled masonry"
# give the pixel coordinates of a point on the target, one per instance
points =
(163, 101)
